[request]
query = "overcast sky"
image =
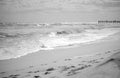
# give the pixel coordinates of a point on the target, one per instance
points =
(59, 10)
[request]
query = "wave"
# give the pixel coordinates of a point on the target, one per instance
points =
(88, 36)
(53, 40)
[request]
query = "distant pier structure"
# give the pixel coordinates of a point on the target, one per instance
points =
(109, 21)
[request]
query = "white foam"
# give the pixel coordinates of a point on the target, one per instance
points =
(53, 41)
(88, 36)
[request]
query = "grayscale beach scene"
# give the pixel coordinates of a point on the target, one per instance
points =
(59, 38)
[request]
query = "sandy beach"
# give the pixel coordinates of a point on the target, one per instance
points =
(59, 39)
(64, 62)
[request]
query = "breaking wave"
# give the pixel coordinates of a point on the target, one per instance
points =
(53, 40)
(87, 36)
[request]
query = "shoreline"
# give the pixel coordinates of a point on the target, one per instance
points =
(65, 44)
(59, 53)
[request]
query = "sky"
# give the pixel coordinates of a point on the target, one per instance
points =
(42, 11)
